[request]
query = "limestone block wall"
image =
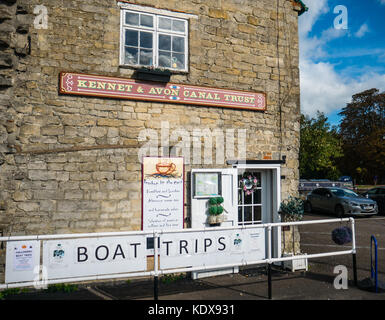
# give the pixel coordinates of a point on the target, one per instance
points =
(70, 164)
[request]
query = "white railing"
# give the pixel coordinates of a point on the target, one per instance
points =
(249, 258)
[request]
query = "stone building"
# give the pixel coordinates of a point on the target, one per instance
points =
(71, 163)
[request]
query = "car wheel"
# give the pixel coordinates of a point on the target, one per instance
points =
(339, 210)
(308, 207)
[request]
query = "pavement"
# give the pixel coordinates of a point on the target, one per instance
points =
(248, 284)
(317, 283)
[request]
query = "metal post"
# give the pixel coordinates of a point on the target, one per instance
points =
(269, 284)
(156, 290)
(156, 280)
(269, 249)
(355, 269)
(354, 251)
(374, 271)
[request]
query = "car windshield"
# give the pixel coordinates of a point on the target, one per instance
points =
(344, 193)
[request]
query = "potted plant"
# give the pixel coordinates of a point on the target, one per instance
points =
(153, 74)
(216, 211)
(292, 209)
(342, 235)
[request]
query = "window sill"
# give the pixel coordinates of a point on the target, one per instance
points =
(172, 71)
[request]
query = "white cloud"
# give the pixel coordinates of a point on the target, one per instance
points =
(316, 9)
(322, 87)
(382, 1)
(364, 29)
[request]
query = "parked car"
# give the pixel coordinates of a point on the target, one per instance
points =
(340, 201)
(377, 194)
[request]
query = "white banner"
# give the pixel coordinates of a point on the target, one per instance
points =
(210, 248)
(22, 261)
(94, 256)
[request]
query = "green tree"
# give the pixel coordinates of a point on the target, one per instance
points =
(320, 148)
(362, 131)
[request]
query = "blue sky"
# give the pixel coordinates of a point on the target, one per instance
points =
(336, 62)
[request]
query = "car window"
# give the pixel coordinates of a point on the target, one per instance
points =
(350, 193)
(338, 192)
(373, 191)
(324, 192)
(344, 193)
(381, 191)
(317, 191)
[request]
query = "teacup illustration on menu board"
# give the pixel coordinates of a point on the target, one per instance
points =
(158, 168)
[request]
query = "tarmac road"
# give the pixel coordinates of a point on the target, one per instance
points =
(317, 238)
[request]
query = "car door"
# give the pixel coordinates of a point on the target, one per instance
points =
(324, 200)
(381, 200)
(321, 199)
(315, 198)
(329, 201)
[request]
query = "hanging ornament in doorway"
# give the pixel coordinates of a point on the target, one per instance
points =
(248, 183)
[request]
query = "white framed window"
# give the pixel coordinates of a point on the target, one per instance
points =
(153, 38)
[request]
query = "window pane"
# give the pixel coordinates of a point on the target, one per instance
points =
(178, 25)
(240, 219)
(146, 40)
(178, 44)
(131, 38)
(131, 55)
(164, 42)
(145, 57)
(164, 23)
(257, 197)
(247, 198)
(248, 214)
(257, 213)
(178, 61)
(146, 20)
(132, 18)
(165, 59)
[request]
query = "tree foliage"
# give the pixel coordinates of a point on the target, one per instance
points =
(362, 131)
(320, 148)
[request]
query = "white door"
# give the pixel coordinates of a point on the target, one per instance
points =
(263, 205)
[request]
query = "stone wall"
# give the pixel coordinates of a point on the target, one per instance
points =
(70, 164)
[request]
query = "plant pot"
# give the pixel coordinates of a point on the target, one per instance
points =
(296, 264)
(287, 217)
(220, 218)
(153, 75)
(212, 219)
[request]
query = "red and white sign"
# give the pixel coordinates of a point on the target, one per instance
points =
(111, 87)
